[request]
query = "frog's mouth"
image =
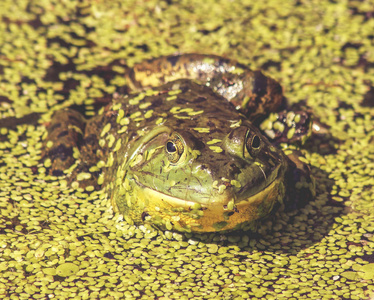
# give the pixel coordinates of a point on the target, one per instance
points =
(200, 192)
(194, 193)
(225, 214)
(157, 196)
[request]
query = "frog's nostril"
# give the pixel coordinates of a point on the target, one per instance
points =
(233, 170)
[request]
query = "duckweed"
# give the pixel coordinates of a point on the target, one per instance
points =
(60, 241)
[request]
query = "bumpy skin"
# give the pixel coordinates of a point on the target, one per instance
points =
(250, 91)
(181, 156)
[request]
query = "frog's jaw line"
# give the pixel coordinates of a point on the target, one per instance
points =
(183, 215)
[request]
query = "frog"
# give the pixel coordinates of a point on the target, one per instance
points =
(201, 144)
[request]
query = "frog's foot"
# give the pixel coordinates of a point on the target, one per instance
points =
(61, 145)
(291, 127)
(300, 185)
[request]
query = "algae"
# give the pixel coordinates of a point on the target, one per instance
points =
(60, 241)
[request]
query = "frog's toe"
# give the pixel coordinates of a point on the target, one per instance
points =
(291, 127)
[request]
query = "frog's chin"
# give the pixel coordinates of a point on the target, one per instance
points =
(222, 215)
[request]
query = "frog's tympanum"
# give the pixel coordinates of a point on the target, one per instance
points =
(197, 149)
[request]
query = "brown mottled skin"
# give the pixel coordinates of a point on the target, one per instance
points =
(250, 91)
(186, 155)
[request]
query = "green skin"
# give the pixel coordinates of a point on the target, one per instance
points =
(182, 156)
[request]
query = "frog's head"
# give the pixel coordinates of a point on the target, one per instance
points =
(193, 180)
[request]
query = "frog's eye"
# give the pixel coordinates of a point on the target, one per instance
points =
(254, 144)
(171, 147)
(174, 148)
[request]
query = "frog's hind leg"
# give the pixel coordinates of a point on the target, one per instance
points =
(251, 92)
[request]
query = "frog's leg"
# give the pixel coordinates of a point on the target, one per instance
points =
(300, 185)
(69, 149)
(288, 130)
(87, 170)
(62, 143)
(251, 92)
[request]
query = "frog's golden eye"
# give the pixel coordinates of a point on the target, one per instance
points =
(254, 144)
(174, 148)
